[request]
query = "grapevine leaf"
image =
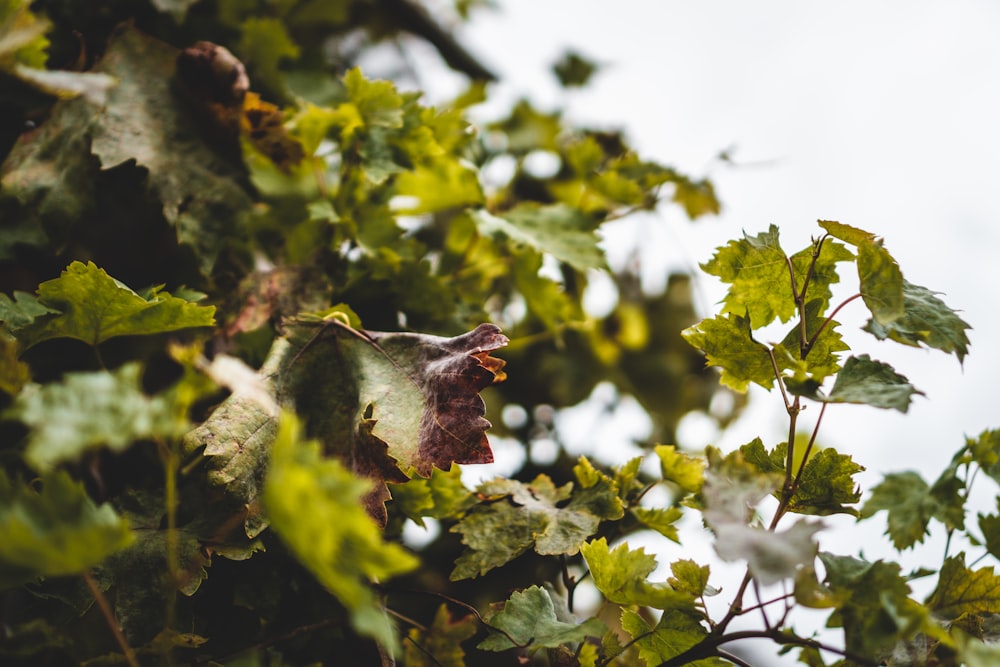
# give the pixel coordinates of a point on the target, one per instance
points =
(622, 576)
(55, 530)
(881, 282)
(989, 525)
(494, 538)
(439, 184)
(528, 129)
(963, 591)
(985, 450)
(87, 304)
(89, 410)
(868, 599)
(440, 645)
(728, 343)
(14, 373)
(660, 519)
(925, 319)
(529, 618)
(146, 120)
(674, 633)
(540, 518)
(689, 577)
(573, 70)
(22, 310)
(687, 472)
(846, 233)
(863, 380)
(771, 555)
(140, 572)
(563, 231)
(335, 539)
(757, 270)
(911, 503)
(827, 485)
(264, 44)
(385, 403)
(441, 496)
(22, 36)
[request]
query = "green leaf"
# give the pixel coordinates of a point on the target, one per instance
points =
(985, 450)
(827, 485)
(439, 185)
(563, 231)
(660, 519)
(760, 284)
(962, 591)
(14, 373)
(87, 304)
(537, 516)
(622, 576)
(869, 382)
(911, 504)
(869, 598)
(691, 578)
(846, 233)
(264, 44)
(528, 129)
(573, 70)
(675, 632)
(440, 645)
(989, 525)
(529, 618)
(772, 556)
(50, 173)
(336, 540)
(377, 103)
(441, 496)
(728, 343)
(22, 310)
(89, 410)
(22, 36)
(54, 530)
(925, 320)
(881, 282)
(493, 538)
(146, 119)
(687, 472)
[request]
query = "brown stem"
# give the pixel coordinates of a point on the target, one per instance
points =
(109, 618)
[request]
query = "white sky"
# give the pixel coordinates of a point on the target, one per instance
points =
(885, 116)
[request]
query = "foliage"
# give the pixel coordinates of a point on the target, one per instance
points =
(251, 301)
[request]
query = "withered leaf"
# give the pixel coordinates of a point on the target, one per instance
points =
(386, 404)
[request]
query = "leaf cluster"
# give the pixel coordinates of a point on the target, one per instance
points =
(243, 288)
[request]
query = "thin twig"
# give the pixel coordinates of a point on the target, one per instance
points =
(815, 336)
(777, 376)
(109, 618)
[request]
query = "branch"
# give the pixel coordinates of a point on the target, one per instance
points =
(109, 618)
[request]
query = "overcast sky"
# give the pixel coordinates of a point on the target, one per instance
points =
(884, 116)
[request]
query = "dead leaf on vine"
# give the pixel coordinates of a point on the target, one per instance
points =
(386, 404)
